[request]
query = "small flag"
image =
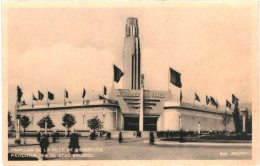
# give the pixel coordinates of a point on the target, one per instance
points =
(228, 104)
(234, 100)
(197, 97)
(105, 90)
(117, 74)
(175, 78)
(213, 102)
(66, 94)
(207, 100)
(84, 93)
(19, 94)
(34, 98)
(40, 95)
(50, 96)
(101, 98)
(23, 103)
(180, 96)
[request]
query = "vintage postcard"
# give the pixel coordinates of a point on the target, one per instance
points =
(127, 83)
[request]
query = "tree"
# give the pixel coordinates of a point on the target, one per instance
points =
(25, 122)
(226, 119)
(237, 120)
(10, 122)
(68, 121)
(50, 124)
(95, 124)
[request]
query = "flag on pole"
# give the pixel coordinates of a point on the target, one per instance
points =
(66, 94)
(50, 96)
(234, 100)
(84, 93)
(207, 100)
(101, 98)
(180, 96)
(197, 97)
(23, 103)
(117, 74)
(228, 104)
(105, 90)
(19, 94)
(34, 98)
(213, 102)
(175, 78)
(40, 95)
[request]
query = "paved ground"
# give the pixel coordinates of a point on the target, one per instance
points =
(134, 149)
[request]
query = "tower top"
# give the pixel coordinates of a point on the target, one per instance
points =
(132, 27)
(132, 21)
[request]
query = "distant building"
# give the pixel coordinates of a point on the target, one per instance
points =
(122, 110)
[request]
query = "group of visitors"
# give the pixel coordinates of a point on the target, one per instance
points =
(74, 140)
(138, 134)
(74, 143)
(108, 135)
(44, 144)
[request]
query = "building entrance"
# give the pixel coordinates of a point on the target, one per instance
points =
(132, 123)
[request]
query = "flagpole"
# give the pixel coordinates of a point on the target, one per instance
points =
(64, 98)
(180, 96)
(194, 100)
(83, 97)
(16, 106)
(47, 99)
(169, 78)
(205, 103)
(217, 104)
(113, 77)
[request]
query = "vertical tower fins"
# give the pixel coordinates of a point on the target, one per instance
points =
(132, 55)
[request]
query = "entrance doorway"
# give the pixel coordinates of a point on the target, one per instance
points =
(132, 123)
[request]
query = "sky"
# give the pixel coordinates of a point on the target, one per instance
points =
(52, 49)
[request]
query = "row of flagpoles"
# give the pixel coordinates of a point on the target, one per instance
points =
(51, 96)
(174, 78)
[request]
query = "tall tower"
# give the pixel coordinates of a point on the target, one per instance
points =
(131, 55)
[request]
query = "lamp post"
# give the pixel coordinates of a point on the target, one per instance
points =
(66, 131)
(45, 125)
(83, 115)
(18, 124)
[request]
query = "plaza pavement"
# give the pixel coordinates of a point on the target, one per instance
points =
(135, 149)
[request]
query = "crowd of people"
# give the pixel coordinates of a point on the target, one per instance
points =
(43, 140)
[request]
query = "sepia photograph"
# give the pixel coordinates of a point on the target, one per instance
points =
(152, 81)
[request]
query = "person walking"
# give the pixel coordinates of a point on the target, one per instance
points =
(38, 136)
(151, 138)
(120, 139)
(44, 143)
(181, 136)
(54, 137)
(74, 143)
